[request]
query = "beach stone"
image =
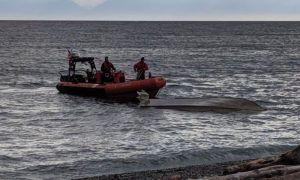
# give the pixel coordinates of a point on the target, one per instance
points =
(175, 177)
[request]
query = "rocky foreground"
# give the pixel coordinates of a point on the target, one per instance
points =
(285, 166)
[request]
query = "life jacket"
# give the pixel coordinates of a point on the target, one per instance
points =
(140, 66)
(107, 67)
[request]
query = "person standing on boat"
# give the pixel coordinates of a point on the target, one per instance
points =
(107, 69)
(141, 67)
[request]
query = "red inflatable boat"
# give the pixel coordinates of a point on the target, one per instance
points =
(90, 83)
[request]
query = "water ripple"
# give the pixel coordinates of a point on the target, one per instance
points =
(42, 131)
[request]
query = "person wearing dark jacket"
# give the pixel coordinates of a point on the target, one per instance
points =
(107, 68)
(141, 67)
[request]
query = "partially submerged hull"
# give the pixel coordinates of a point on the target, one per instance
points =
(118, 91)
(222, 104)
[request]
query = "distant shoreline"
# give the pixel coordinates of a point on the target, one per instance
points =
(208, 21)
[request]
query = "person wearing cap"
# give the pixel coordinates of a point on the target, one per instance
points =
(141, 67)
(107, 68)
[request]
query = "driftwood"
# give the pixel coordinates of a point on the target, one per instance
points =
(278, 172)
(285, 166)
(289, 158)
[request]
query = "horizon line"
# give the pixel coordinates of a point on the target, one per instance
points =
(91, 20)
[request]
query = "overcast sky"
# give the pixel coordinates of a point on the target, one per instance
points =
(199, 10)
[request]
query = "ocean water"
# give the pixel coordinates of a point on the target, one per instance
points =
(48, 135)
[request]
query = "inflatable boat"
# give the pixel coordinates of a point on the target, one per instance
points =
(91, 82)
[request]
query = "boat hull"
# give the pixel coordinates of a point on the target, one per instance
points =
(204, 104)
(126, 91)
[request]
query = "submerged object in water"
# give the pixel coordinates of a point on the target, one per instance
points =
(218, 104)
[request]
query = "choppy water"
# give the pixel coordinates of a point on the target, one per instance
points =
(47, 135)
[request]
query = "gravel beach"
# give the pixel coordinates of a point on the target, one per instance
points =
(188, 172)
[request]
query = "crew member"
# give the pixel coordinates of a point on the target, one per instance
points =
(71, 63)
(107, 69)
(140, 67)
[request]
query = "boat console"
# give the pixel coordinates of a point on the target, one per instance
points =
(90, 75)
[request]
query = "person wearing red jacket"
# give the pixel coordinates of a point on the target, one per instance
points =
(141, 67)
(107, 68)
